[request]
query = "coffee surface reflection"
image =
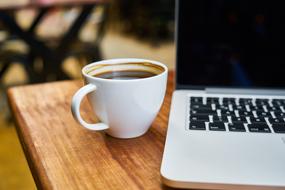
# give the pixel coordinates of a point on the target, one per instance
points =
(125, 75)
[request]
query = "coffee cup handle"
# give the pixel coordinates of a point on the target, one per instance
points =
(75, 108)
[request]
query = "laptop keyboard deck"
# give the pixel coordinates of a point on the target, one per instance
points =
(237, 114)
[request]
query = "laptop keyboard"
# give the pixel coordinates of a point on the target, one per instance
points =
(237, 114)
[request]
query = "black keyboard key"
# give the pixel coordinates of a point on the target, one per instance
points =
(276, 120)
(197, 117)
(278, 127)
(220, 118)
(196, 100)
(217, 126)
(236, 127)
(228, 101)
(227, 112)
(239, 119)
(263, 114)
(278, 102)
(212, 100)
(259, 128)
(197, 125)
(222, 107)
(245, 113)
(262, 101)
(208, 104)
(200, 106)
(274, 108)
(245, 101)
(257, 120)
(264, 123)
(279, 114)
(256, 108)
(203, 111)
(239, 107)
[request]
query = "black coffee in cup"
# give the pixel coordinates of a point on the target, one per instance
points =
(125, 75)
(125, 71)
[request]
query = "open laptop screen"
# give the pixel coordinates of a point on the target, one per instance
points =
(237, 43)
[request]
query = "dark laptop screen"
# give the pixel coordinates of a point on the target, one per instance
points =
(239, 43)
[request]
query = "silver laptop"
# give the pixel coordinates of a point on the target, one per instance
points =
(226, 128)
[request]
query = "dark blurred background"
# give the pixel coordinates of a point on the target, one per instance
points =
(147, 20)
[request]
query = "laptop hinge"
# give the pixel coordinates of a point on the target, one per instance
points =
(245, 91)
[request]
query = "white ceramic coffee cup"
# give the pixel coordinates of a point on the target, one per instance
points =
(126, 108)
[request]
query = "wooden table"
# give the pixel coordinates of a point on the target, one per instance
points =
(63, 155)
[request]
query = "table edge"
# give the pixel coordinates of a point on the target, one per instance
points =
(41, 179)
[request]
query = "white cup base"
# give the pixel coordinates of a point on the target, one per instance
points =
(126, 135)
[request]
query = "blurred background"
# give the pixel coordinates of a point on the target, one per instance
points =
(49, 40)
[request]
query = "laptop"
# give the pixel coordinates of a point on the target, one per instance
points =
(226, 126)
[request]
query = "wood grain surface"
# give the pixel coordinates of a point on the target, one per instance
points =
(63, 155)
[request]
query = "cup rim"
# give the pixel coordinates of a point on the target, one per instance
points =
(123, 60)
